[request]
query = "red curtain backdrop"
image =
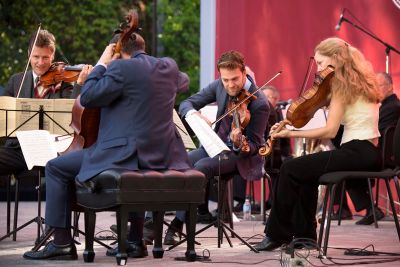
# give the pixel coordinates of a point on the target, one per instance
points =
(279, 35)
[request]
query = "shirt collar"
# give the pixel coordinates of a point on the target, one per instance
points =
(34, 78)
(247, 84)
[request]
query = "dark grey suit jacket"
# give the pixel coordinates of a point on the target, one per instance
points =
(136, 97)
(66, 90)
(249, 164)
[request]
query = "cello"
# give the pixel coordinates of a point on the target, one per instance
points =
(302, 110)
(85, 121)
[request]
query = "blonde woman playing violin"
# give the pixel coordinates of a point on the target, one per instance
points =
(354, 103)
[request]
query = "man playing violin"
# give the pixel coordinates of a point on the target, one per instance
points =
(136, 95)
(11, 159)
(232, 81)
(354, 101)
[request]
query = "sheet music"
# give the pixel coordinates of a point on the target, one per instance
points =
(187, 140)
(37, 147)
(207, 137)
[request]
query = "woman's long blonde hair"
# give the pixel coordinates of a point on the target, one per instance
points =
(354, 75)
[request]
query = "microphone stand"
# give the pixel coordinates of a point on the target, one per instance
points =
(388, 46)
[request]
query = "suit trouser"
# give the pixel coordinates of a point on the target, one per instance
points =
(297, 187)
(60, 192)
(11, 161)
(211, 167)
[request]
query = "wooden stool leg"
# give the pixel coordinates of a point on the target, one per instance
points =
(122, 221)
(90, 223)
(190, 230)
(158, 218)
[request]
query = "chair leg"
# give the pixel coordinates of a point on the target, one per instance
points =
(342, 194)
(372, 203)
(90, 222)
(396, 221)
(328, 222)
(122, 219)
(324, 210)
(16, 204)
(158, 217)
(190, 230)
(377, 193)
(396, 182)
(8, 203)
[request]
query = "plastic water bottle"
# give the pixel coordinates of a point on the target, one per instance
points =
(247, 210)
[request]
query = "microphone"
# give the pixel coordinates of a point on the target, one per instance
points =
(341, 18)
(283, 104)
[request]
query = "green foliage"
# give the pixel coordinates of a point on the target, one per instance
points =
(179, 37)
(84, 27)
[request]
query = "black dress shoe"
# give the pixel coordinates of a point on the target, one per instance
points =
(206, 218)
(346, 215)
(267, 244)
(174, 232)
(53, 252)
(133, 250)
(148, 232)
(238, 208)
(369, 217)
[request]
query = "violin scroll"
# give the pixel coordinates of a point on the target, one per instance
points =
(267, 148)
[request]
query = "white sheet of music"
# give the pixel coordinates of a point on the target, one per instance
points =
(207, 137)
(37, 147)
(187, 140)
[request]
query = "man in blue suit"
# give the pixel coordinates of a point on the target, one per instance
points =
(249, 164)
(136, 96)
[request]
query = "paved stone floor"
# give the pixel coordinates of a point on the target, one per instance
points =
(348, 235)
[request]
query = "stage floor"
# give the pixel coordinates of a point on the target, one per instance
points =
(348, 235)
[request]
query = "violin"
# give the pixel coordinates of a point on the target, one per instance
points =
(241, 115)
(85, 121)
(60, 72)
(302, 110)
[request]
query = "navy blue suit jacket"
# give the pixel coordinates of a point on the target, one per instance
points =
(136, 97)
(249, 164)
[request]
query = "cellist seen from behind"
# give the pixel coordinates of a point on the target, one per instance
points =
(133, 135)
(353, 102)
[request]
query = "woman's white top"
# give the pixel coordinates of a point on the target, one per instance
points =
(360, 121)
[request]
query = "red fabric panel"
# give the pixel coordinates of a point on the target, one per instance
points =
(279, 35)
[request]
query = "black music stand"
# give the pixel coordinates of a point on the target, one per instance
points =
(221, 226)
(37, 219)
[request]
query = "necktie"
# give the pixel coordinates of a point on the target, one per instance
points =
(39, 90)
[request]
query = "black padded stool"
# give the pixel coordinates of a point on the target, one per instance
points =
(125, 191)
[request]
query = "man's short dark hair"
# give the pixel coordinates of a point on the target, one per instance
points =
(44, 39)
(231, 60)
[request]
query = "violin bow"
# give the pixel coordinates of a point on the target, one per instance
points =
(247, 98)
(29, 59)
